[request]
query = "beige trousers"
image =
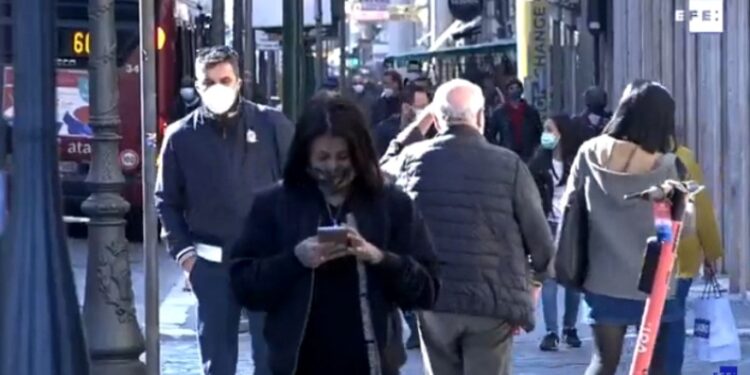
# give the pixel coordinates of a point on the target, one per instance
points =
(465, 345)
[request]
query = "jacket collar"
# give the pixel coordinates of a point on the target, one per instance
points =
(464, 131)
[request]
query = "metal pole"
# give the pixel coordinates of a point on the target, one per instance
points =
(343, 30)
(238, 29)
(39, 314)
(319, 73)
(148, 147)
(115, 339)
(248, 61)
(218, 27)
(292, 31)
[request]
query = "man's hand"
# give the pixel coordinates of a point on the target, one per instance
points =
(313, 253)
(188, 264)
(536, 292)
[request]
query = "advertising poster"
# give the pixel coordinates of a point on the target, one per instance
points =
(72, 101)
(533, 47)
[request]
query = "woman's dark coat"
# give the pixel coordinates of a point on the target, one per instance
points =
(267, 276)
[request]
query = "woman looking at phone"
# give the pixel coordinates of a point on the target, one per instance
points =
(333, 252)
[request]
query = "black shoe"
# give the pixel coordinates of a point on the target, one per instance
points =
(412, 342)
(550, 342)
(571, 337)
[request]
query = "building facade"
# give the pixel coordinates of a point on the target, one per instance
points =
(707, 73)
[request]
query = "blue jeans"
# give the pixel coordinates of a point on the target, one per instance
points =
(218, 322)
(673, 348)
(549, 306)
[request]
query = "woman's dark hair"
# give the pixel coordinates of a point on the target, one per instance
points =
(572, 136)
(337, 117)
(395, 76)
(645, 116)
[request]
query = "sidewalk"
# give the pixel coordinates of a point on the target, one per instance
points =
(179, 351)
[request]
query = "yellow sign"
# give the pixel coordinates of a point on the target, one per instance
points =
(533, 46)
(81, 43)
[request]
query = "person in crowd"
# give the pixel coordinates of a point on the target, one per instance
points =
(187, 102)
(492, 94)
(331, 85)
(362, 94)
(700, 246)
(550, 167)
(211, 163)
(516, 125)
(595, 116)
(489, 229)
(332, 300)
(633, 154)
(389, 102)
(415, 100)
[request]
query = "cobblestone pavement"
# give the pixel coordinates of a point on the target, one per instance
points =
(180, 353)
(180, 356)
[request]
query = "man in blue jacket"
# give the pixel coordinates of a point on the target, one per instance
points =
(211, 163)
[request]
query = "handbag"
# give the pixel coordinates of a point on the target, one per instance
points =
(572, 260)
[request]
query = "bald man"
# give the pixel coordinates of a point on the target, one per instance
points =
(485, 214)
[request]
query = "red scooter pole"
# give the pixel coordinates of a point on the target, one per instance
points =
(669, 203)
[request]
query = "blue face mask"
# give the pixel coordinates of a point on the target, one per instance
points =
(549, 141)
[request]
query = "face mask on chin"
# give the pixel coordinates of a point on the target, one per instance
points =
(358, 88)
(387, 93)
(332, 181)
(219, 98)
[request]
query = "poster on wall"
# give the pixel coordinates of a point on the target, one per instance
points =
(533, 46)
(72, 118)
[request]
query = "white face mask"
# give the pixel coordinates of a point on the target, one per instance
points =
(358, 88)
(387, 93)
(418, 113)
(187, 93)
(219, 98)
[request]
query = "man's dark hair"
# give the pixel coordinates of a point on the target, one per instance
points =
(208, 57)
(645, 116)
(411, 90)
(395, 76)
(514, 81)
(337, 117)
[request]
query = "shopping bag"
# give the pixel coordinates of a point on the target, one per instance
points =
(715, 329)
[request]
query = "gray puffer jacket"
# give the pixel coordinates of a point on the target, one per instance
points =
(485, 214)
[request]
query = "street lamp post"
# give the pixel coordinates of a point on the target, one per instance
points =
(218, 26)
(115, 339)
(292, 78)
(39, 312)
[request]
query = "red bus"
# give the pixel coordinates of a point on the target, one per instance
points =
(74, 43)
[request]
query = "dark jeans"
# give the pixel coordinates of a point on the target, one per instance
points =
(218, 322)
(673, 350)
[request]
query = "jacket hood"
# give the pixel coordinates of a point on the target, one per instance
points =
(620, 167)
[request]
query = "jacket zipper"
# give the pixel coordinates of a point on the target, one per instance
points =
(304, 326)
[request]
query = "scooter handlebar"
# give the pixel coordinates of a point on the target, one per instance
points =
(663, 191)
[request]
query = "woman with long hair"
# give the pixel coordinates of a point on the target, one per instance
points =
(634, 153)
(550, 166)
(333, 252)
